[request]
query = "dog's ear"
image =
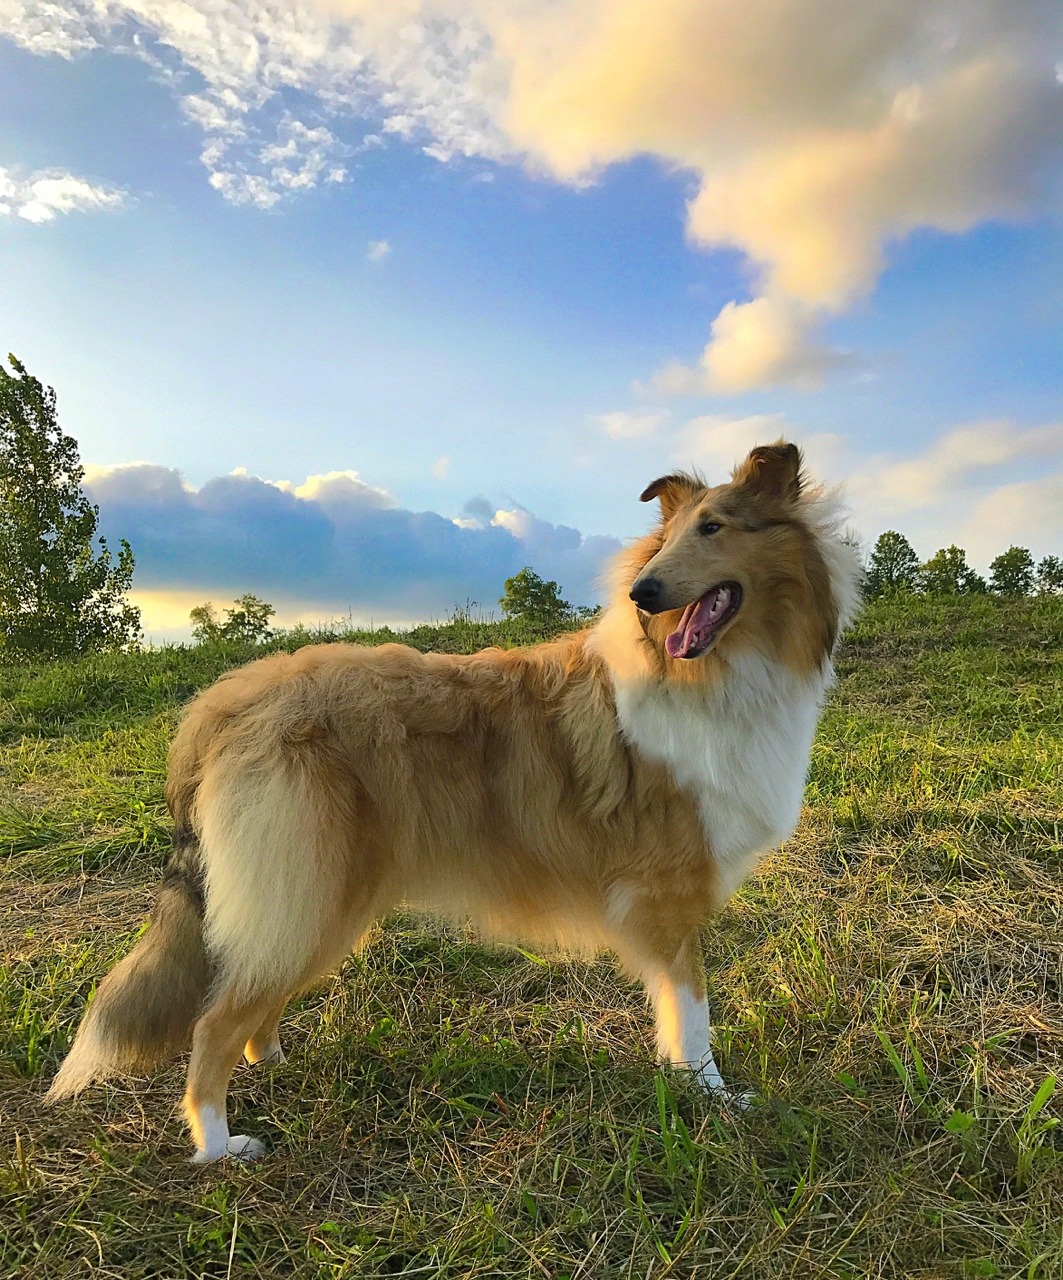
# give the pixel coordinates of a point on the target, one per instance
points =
(773, 471)
(673, 491)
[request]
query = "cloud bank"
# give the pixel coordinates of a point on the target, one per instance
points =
(332, 542)
(816, 132)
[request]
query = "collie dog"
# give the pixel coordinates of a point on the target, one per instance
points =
(609, 789)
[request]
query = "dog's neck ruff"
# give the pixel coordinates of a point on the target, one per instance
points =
(739, 747)
(738, 744)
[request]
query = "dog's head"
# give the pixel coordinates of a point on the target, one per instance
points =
(736, 562)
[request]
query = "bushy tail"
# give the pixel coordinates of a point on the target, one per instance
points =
(144, 1010)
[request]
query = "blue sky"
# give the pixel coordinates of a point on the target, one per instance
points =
(508, 263)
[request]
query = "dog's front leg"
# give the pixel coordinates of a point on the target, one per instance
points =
(670, 968)
(681, 1013)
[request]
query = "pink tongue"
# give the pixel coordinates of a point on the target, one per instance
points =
(697, 619)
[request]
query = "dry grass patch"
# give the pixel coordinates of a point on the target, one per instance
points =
(889, 986)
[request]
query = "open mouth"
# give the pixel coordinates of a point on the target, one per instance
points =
(701, 621)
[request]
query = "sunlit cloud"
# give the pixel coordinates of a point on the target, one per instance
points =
(754, 343)
(338, 490)
(818, 133)
(1027, 513)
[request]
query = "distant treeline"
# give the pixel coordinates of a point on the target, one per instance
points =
(532, 609)
(894, 566)
(64, 592)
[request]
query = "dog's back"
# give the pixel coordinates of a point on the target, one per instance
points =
(493, 786)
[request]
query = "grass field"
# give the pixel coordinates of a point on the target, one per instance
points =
(889, 986)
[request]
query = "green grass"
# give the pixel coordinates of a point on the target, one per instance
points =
(889, 985)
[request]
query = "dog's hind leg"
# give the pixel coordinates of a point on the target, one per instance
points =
(265, 1045)
(288, 893)
(219, 1035)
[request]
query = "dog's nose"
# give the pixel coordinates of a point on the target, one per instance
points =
(647, 593)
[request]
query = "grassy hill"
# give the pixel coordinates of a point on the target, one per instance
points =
(889, 985)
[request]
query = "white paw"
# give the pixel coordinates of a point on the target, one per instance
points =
(206, 1155)
(239, 1146)
(709, 1078)
(734, 1100)
(272, 1056)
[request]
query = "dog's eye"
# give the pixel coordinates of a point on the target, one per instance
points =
(706, 527)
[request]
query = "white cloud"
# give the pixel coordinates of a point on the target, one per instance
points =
(970, 485)
(441, 467)
(299, 159)
(143, 478)
(817, 132)
(238, 67)
(378, 250)
(965, 457)
(46, 194)
(714, 443)
(1028, 513)
(623, 425)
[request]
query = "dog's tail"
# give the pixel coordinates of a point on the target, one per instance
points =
(144, 1010)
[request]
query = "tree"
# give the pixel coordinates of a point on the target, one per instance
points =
(1050, 576)
(205, 625)
(947, 573)
(59, 596)
(1011, 573)
(535, 600)
(893, 565)
(247, 622)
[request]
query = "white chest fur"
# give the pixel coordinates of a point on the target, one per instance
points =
(740, 749)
